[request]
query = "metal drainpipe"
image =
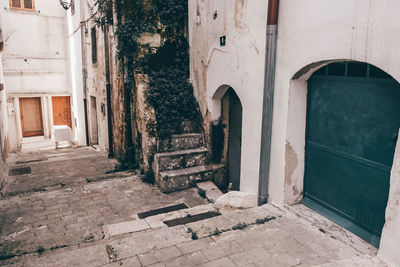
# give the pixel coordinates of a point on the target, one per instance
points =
(84, 67)
(269, 79)
(108, 88)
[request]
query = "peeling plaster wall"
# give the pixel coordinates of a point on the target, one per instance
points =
(239, 64)
(389, 247)
(145, 117)
(4, 143)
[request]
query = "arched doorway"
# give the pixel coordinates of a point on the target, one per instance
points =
(353, 117)
(234, 139)
(227, 136)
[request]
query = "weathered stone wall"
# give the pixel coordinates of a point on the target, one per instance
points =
(96, 86)
(145, 121)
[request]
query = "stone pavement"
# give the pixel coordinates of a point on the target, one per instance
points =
(52, 169)
(96, 224)
(74, 213)
(287, 240)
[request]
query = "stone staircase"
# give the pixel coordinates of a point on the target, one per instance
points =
(183, 162)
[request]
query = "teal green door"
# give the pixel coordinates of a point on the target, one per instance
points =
(353, 120)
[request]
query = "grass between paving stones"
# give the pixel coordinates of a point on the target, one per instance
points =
(239, 226)
(202, 192)
(194, 234)
(112, 253)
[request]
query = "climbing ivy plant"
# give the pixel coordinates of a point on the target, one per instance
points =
(170, 92)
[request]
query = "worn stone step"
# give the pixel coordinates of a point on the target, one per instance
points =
(179, 159)
(174, 180)
(155, 221)
(181, 142)
(210, 190)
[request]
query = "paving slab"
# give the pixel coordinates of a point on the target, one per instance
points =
(158, 220)
(75, 214)
(212, 192)
(124, 228)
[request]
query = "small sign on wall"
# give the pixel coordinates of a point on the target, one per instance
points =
(222, 40)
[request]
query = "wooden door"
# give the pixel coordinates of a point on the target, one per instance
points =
(31, 116)
(61, 110)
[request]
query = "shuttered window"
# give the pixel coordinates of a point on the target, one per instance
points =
(22, 4)
(94, 45)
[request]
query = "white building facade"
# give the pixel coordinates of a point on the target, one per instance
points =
(228, 44)
(37, 71)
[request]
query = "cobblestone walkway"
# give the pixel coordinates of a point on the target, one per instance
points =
(75, 212)
(51, 169)
(284, 241)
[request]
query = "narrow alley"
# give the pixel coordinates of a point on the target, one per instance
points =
(200, 133)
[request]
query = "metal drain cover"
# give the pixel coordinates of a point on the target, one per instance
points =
(192, 218)
(149, 213)
(20, 171)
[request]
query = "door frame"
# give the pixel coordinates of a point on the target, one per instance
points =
(21, 115)
(287, 180)
(52, 109)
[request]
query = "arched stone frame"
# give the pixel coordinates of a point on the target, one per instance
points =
(216, 99)
(296, 130)
(217, 117)
(295, 159)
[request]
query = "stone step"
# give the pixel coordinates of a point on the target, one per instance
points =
(152, 222)
(181, 142)
(174, 180)
(210, 191)
(179, 159)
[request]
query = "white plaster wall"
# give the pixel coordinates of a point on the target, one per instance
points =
(239, 64)
(76, 76)
(37, 62)
(96, 76)
(3, 116)
(35, 53)
(311, 31)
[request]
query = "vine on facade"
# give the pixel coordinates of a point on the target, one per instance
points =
(170, 92)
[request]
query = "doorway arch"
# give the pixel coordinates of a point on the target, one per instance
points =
(351, 123)
(227, 135)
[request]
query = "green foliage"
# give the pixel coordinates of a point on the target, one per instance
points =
(265, 219)
(170, 92)
(105, 9)
(240, 226)
(202, 192)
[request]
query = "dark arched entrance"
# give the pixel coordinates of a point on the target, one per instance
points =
(353, 118)
(234, 139)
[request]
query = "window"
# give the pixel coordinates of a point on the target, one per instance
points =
(22, 4)
(94, 44)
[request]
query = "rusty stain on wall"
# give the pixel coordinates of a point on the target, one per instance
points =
(239, 13)
(291, 163)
